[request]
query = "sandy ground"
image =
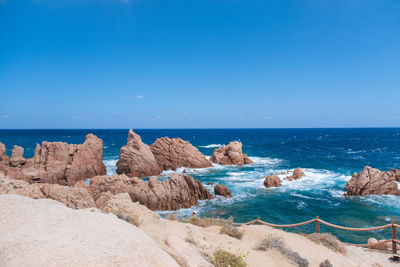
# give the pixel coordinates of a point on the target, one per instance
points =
(208, 240)
(45, 232)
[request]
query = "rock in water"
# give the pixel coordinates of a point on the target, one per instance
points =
(297, 174)
(272, 181)
(175, 153)
(179, 191)
(136, 158)
(222, 190)
(230, 155)
(58, 162)
(372, 181)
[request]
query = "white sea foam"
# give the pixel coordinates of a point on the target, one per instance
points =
(211, 146)
(111, 166)
(265, 161)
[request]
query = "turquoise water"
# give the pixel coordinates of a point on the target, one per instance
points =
(328, 157)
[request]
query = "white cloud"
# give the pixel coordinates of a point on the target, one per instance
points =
(267, 118)
(139, 97)
(4, 117)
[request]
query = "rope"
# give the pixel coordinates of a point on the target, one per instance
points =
(287, 225)
(355, 229)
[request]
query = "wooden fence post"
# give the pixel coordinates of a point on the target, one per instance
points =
(317, 225)
(258, 220)
(394, 237)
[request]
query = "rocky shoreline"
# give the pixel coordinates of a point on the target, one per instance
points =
(58, 170)
(75, 174)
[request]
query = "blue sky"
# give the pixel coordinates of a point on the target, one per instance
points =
(199, 63)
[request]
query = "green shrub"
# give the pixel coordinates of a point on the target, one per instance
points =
(223, 258)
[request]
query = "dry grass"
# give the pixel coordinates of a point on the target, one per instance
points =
(326, 263)
(205, 222)
(171, 217)
(232, 231)
(132, 219)
(278, 243)
(223, 258)
(328, 240)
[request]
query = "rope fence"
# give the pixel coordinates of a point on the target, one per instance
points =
(318, 221)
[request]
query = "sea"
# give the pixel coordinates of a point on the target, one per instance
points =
(328, 158)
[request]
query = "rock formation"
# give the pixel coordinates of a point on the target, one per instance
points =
(179, 191)
(372, 181)
(222, 190)
(174, 153)
(57, 162)
(297, 174)
(136, 158)
(230, 155)
(272, 181)
(19, 187)
(76, 198)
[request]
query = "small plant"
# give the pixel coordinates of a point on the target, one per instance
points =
(223, 258)
(132, 219)
(326, 263)
(328, 240)
(171, 217)
(232, 231)
(278, 243)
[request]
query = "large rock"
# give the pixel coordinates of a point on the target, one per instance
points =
(174, 153)
(297, 174)
(272, 181)
(19, 187)
(46, 233)
(179, 191)
(222, 190)
(58, 162)
(17, 156)
(230, 155)
(76, 198)
(136, 158)
(2, 150)
(372, 181)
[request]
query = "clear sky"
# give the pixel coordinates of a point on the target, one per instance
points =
(199, 63)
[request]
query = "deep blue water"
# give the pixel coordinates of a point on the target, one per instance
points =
(328, 157)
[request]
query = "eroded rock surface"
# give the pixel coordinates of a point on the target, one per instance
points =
(372, 181)
(179, 191)
(57, 162)
(230, 155)
(272, 181)
(175, 153)
(76, 198)
(136, 158)
(297, 174)
(222, 190)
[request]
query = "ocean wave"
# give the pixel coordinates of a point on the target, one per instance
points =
(265, 161)
(211, 146)
(111, 166)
